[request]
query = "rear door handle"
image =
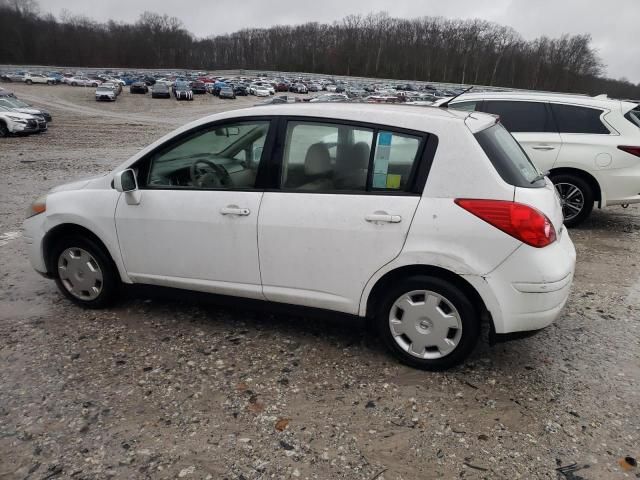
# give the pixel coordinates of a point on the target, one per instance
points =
(234, 210)
(383, 218)
(544, 147)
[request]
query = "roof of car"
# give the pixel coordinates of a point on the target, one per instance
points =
(600, 101)
(404, 116)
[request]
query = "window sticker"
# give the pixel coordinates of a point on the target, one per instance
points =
(381, 160)
(393, 181)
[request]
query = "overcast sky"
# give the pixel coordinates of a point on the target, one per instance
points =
(613, 24)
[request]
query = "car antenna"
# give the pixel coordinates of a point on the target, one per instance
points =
(446, 104)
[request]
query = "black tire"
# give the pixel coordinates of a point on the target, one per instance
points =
(110, 278)
(74, 84)
(470, 321)
(28, 82)
(49, 82)
(562, 182)
(4, 131)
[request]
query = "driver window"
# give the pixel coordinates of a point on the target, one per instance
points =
(224, 156)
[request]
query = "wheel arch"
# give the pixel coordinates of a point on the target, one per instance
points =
(375, 294)
(68, 229)
(597, 192)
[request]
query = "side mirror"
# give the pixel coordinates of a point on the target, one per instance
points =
(125, 181)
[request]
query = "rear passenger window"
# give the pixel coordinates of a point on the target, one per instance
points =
(521, 116)
(573, 119)
(327, 157)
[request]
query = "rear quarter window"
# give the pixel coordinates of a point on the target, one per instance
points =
(634, 116)
(508, 157)
(575, 119)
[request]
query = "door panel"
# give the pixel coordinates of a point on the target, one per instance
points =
(542, 148)
(319, 250)
(205, 240)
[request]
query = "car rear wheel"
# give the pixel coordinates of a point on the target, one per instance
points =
(85, 273)
(576, 197)
(74, 84)
(28, 82)
(428, 323)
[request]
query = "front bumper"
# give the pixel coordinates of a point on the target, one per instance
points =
(529, 289)
(31, 126)
(33, 236)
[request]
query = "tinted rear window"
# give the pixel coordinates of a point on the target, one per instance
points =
(508, 158)
(573, 119)
(521, 116)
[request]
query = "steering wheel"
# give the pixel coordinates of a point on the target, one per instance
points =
(206, 174)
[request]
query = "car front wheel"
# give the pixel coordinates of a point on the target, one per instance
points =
(428, 323)
(4, 131)
(84, 272)
(576, 197)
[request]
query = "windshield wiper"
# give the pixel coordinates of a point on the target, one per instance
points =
(540, 176)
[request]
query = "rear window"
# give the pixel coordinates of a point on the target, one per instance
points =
(520, 116)
(508, 158)
(634, 116)
(574, 119)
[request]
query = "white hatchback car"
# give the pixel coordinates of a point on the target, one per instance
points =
(425, 220)
(589, 145)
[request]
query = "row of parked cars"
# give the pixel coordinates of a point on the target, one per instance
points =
(19, 118)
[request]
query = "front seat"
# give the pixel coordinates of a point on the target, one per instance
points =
(351, 170)
(317, 168)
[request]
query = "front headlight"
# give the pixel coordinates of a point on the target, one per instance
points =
(38, 206)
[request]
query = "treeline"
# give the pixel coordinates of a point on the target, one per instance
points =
(375, 45)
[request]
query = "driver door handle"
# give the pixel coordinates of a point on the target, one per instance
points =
(233, 210)
(543, 147)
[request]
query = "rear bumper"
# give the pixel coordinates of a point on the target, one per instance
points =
(620, 186)
(528, 291)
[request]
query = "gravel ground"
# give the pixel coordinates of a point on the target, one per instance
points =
(174, 385)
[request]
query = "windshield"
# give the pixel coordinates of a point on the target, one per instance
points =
(508, 157)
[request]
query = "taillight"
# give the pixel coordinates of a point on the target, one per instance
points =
(521, 221)
(629, 149)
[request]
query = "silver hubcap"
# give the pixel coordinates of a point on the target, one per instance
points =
(571, 198)
(425, 324)
(80, 273)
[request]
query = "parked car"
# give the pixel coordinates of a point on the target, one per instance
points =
(81, 82)
(590, 146)
(6, 93)
(259, 90)
(20, 106)
(452, 226)
(105, 93)
(116, 87)
(31, 78)
(299, 88)
(241, 90)
(15, 76)
(198, 87)
(227, 92)
(330, 97)
(182, 91)
(160, 90)
(138, 87)
(12, 122)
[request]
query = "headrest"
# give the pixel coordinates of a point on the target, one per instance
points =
(318, 160)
